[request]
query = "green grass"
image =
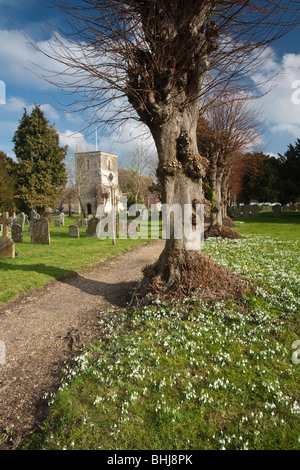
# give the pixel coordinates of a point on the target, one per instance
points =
(193, 375)
(35, 264)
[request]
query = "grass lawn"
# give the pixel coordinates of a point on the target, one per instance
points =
(36, 264)
(193, 375)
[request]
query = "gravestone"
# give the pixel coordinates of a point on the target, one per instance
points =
(17, 233)
(84, 222)
(20, 219)
(236, 212)
(78, 223)
(277, 210)
(74, 231)
(144, 214)
(255, 210)
(92, 227)
(292, 207)
(32, 216)
(132, 228)
(285, 208)
(62, 218)
(246, 210)
(7, 246)
(57, 223)
(40, 232)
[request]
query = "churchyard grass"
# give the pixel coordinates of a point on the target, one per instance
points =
(194, 375)
(37, 264)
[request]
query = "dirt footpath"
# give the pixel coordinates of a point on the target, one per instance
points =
(44, 328)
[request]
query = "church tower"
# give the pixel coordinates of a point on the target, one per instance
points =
(96, 173)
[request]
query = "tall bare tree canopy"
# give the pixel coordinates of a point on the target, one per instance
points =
(156, 61)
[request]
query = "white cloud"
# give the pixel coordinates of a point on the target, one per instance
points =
(14, 105)
(75, 141)
(280, 113)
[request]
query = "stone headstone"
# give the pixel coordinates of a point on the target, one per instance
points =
(236, 212)
(133, 228)
(255, 210)
(246, 210)
(92, 227)
(78, 223)
(277, 210)
(20, 219)
(84, 222)
(74, 231)
(57, 223)
(62, 218)
(32, 216)
(40, 232)
(145, 214)
(7, 246)
(17, 233)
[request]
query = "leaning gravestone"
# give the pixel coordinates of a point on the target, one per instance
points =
(246, 210)
(74, 231)
(277, 210)
(92, 227)
(17, 233)
(40, 232)
(255, 210)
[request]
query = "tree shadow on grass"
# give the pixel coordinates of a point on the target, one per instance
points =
(118, 294)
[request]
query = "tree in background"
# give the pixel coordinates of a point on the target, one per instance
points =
(140, 162)
(289, 170)
(40, 169)
(7, 184)
(260, 181)
(223, 134)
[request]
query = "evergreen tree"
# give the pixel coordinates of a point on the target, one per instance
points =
(40, 172)
(290, 174)
(6, 184)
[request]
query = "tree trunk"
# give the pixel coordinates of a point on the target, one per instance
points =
(180, 173)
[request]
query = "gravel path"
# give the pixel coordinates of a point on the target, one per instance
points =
(44, 328)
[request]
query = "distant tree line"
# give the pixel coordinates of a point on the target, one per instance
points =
(266, 178)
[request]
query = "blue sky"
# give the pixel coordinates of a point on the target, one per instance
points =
(281, 115)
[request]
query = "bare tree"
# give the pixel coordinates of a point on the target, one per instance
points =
(155, 61)
(140, 162)
(227, 129)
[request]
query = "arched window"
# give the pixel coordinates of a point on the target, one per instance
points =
(89, 208)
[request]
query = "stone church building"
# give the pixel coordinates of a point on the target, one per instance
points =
(98, 181)
(96, 175)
